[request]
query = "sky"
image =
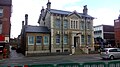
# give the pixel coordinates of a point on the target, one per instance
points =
(104, 11)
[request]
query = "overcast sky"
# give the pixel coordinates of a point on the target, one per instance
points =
(104, 10)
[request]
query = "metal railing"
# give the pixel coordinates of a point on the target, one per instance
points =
(85, 64)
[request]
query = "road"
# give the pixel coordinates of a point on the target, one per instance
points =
(20, 59)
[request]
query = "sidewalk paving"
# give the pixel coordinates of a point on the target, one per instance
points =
(15, 55)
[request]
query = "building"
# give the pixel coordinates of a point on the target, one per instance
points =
(34, 39)
(5, 23)
(105, 32)
(68, 29)
(117, 31)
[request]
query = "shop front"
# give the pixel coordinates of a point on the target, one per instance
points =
(2, 45)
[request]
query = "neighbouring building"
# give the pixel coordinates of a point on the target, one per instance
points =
(35, 40)
(117, 31)
(68, 29)
(5, 23)
(106, 33)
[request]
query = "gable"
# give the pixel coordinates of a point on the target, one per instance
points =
(74, 16)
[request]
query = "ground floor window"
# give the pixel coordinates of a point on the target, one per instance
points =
(46, 40)
(38, 40)
(89, 39)
(82, 39)
(57, 39)
(65, 39)
(30, 40)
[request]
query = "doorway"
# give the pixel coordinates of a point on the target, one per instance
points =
(76, 41)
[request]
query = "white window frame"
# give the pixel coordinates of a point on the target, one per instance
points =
(46, 43)
(29, 40)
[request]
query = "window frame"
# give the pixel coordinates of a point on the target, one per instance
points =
(57, 23)
(65, 24)
(65, 39)
(32, 39)
(46, 41)
(39, 39)
(58, 39)
(1, 11)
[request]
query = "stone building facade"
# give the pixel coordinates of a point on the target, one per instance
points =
(68, 29)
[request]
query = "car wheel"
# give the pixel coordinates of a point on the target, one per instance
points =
(112, 57)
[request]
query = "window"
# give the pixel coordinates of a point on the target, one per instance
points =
(82, 39)
(113, 50)
(46, 40)
(82, 25)
(57, 24)
(89, 39)
(1, 11)
(71, 24)
(38, 40)
(88, 25)
(57, 39)
(30, 40)
(76, 24)
(0, 28)
(65, 39)
(65, 24)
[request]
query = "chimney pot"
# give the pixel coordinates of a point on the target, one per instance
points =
(26, 19)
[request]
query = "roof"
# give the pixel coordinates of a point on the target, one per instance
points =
(67, 13)
(103, 25)
(37, 29)
(5, 2)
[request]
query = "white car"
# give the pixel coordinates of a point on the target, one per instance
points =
(110, 53)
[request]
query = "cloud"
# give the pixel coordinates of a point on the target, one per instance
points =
(104, 16)
(33, 8)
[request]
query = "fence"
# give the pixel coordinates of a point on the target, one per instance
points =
(86, 64)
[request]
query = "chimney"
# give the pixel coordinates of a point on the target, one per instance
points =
(85, 10)
(22, 24)
(49, 5)
(42, 11)
(26, 19)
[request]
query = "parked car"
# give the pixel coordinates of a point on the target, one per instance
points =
(110, 53)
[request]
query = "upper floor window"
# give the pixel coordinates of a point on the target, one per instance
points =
(57, 24)
(89, 25)
(82, 25)
(38, 40)
(1, 11)
(74, 24)
(65, 24)
(30, 40)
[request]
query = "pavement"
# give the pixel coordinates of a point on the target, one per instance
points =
(17, 58)
(15, 55)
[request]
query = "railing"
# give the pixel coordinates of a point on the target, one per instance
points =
(86, 64)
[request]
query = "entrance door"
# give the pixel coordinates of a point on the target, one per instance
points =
(76, 39)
